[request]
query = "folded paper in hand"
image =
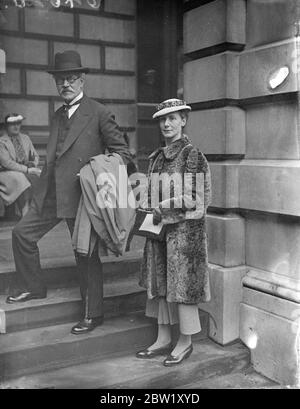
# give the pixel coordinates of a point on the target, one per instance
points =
(144, 226)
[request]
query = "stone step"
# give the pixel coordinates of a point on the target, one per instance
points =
(42, 349)
(64, 305)
(58, 262)
(243, 379)
(125, 371)
(61, 272)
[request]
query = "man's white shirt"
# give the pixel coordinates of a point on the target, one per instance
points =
(72, 110)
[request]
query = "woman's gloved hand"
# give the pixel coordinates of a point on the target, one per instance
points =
(157, 216)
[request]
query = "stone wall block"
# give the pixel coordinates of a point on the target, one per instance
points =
(272, 131)
(257, 66)
(36, 112)
(212, 78)
(226, 240)
(9, 19)
(121, 6)
(40, 83)
(10, 83)
(53, 22)
(25, 51)
(214, 23)
(120, 59)
(225, 184)
(273, 244)
(226, 295)
(268, 23)
(110, 87)
(270, 186)
(107, 29)
(126, 115)
(272, 338)
(218, 131)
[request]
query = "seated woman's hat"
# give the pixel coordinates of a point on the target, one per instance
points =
(13, 119)
(171, 105)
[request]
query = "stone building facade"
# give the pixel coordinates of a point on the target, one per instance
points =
(241, 76)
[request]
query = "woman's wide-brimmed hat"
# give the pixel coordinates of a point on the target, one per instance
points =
(67, 61)
(13, 118)
(171, 105)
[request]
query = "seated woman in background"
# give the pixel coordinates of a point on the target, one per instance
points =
(18, 164)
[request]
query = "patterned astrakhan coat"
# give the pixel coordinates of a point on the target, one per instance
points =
(177, 268)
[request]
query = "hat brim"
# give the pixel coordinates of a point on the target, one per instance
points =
(82, 69)
(166, 111)
(14, 120)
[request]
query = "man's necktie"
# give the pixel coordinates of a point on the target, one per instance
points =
(67, 107)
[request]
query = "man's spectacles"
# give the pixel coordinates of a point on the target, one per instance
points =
(70, 79)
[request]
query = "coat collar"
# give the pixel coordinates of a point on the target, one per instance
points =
(171, 151)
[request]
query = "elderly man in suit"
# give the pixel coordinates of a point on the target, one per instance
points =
(80, 129)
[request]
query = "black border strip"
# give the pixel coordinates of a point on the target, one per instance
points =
(213, 50)
(193, 4)
(69, 39)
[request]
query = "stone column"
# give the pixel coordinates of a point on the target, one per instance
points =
(214, 36)
(242, 79)
(269, 187)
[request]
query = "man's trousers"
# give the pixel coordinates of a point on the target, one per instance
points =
(25, 237)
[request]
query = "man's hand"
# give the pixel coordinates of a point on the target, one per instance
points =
(34, 171)
(157, 216)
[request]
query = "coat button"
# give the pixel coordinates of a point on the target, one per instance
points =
(79, 160)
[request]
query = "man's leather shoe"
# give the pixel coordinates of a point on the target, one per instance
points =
(25, 296)
(151, 353)
(86, 325)
(175, 360)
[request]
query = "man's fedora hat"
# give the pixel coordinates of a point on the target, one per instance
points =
(67, 61)
(170, 105)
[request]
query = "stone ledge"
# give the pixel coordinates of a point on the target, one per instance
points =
(274, 284)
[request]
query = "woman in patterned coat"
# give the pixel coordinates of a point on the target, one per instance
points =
(18, 164)
(174, 271)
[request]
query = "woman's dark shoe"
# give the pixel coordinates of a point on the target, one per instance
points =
(24, 296)
(151, 353)
(175, 360)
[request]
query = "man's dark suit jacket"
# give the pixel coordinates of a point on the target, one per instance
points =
(92, 130)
